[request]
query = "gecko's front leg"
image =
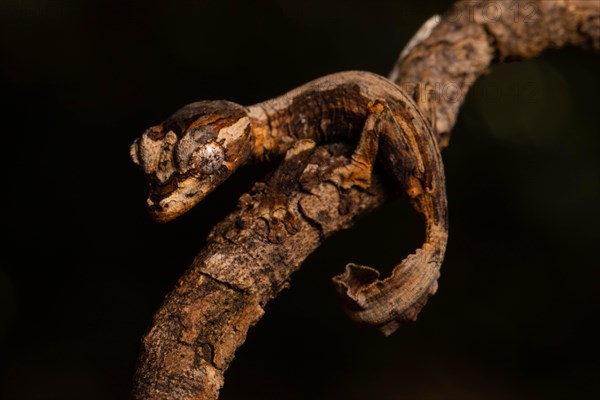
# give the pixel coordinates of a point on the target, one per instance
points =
(202, 144)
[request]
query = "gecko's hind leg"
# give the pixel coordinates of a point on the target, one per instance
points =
(410, 152)
(358, 172)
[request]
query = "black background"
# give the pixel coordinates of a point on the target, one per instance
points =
(83, 268)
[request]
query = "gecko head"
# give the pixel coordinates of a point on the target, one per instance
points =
(191, 153)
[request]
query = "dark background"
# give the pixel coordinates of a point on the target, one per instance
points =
(83, 268)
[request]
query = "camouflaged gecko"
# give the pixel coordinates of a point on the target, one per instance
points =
(203, 143)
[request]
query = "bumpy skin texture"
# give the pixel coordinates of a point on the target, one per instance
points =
(251, 255)
(203, 143)
(190, 154)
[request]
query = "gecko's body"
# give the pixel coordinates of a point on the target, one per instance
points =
(200, 145)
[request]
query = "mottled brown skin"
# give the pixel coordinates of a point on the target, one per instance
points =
(184, 157)
(202, 144)
(251, 255)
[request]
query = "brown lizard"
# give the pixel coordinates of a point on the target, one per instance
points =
(203, 143)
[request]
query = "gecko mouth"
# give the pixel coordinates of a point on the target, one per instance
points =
(170, 200)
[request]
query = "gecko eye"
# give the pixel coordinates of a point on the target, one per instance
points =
(209, 158)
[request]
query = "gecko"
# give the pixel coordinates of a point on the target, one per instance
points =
(201, 144)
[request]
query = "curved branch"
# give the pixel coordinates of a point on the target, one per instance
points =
(249, 258)
(251, 255)
(450, 52)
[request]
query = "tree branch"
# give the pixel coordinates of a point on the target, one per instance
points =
(250, 256)
(452, 51)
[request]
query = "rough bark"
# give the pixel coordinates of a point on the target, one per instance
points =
(454, 49)
(250, 256)
(206, 317)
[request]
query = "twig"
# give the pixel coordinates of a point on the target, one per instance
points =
(249, 259)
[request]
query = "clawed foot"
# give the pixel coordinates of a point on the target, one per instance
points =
(270, 203)
(358, 172)
(279, 220)
(351, 175)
